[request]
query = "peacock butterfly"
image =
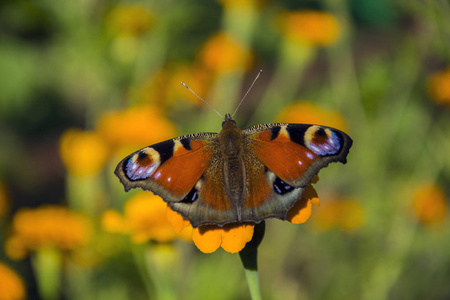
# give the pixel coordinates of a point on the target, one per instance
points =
(235, 175)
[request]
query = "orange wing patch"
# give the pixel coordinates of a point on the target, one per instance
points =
(180, 173)
(288, 160)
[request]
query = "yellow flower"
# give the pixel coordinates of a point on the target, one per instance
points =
(313, 28)
(429, 203)
(11, 285)
(309, 113)
(222, 53)
(4, 202)
(144, 220)
(83, 153)
(439, 87)
(135, 128)
(47, 226)
(344, 214)
(234, 236)
(128, 19)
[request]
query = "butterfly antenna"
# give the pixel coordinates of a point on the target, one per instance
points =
(253, 83)
(201, 99)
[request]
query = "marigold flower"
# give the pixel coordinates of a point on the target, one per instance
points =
(11, 285)
(439, 87)
(234, 236)
(429, 203)
(144, 220)
(136, 127)
(222, 53)
(83, 153)
(47, 226)
(301, 211)
(310, 113)
(313, 28)
(344, 214)
(165, 87)
(231, 237)
(128, 19)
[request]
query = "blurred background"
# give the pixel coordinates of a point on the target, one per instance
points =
(85, 83)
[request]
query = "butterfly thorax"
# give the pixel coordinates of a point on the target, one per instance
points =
(231, 141)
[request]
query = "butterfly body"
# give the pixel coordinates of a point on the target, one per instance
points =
(235, 175)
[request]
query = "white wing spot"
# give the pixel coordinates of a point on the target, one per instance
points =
(157, 175)
(300, 162)
(309, 155)
(169, 179)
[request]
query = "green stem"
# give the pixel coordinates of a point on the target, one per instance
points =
(249, 258)
(253, 283)
(47, 263)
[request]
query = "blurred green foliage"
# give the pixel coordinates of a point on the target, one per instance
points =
(65, 64)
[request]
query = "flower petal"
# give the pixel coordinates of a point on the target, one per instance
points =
(177, 220)
(301, 211)
(207, 238)
(235, 237)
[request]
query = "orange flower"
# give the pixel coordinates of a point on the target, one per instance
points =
(197, 78)
(128, 19)
(83, 153)
(301, 211)
(222, 53)
(144, 219)
(11, 285)
(310, 113)
(429, 203)
(344, 214)
(208, 238)
(233, 237)
(135, 128)
(165, 87)
(313, 28)
(439, 87)
(47, 226)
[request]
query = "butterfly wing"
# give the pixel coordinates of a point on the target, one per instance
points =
(169, 169)
(187, 172)
(278, 162)
(286, 158)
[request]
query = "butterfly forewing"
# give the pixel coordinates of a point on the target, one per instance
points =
(296, 152)
(171, 168)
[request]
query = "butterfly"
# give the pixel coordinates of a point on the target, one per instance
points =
(235, 175)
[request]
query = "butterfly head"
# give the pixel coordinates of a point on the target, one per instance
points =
(228, 121)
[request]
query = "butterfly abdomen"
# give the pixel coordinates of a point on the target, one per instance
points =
(231, 142)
